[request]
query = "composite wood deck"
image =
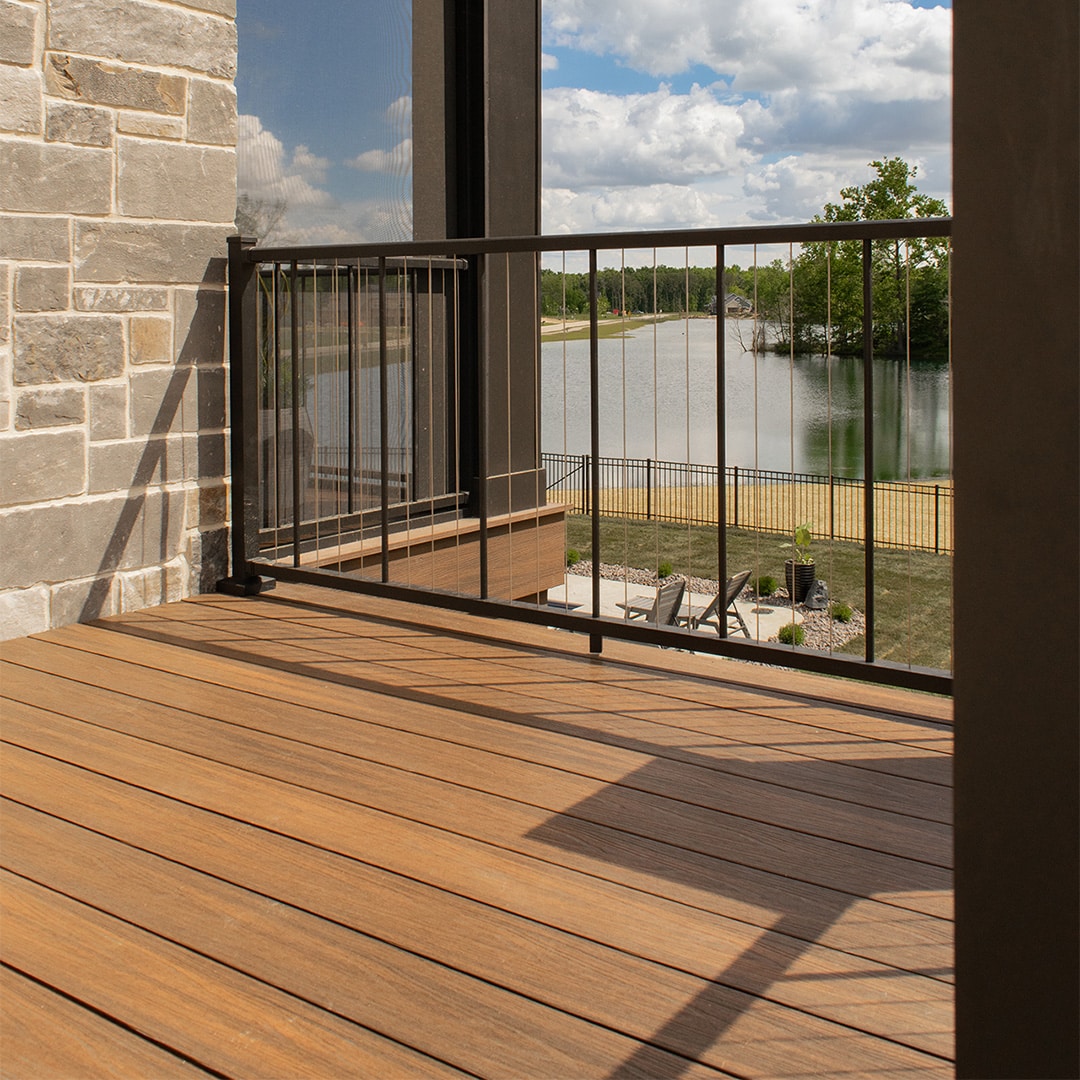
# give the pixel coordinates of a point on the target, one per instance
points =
(308, 834)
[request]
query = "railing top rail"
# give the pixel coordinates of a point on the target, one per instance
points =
(733, 236)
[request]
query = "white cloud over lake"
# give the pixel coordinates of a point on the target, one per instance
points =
(790, 103)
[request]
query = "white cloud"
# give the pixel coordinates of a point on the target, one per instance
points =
(397, 162)
(263, 173)
(592, 138)
(549, 62)
(805, 95)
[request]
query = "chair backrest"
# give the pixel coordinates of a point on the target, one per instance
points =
(668, 599)
(734, 586)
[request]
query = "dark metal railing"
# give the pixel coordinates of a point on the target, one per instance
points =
(467, 446)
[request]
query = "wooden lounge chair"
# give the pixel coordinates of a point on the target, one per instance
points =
(661, 609)
(711, 615)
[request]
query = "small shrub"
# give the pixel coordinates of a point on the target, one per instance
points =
(765, 585)
(573, 556)
(840, 611)
(792, 634)
(665, 569)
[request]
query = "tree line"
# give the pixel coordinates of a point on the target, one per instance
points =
(814, 301)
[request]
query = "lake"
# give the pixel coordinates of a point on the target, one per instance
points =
(780, 413)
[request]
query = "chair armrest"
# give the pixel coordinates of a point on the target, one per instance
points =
(638, 606)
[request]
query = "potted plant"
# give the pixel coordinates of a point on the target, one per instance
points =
(799, 572)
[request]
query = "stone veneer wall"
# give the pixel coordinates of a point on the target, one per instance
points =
(117, 191)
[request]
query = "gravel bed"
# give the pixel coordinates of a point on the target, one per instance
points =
(823, 632)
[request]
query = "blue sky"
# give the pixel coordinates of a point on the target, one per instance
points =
(657, 113)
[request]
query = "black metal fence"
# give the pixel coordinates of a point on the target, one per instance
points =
(909, 516)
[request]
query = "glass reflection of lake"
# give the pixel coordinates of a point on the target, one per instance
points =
(779, 414)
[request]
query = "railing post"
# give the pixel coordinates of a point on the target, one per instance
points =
(735, 486)
(244, 418)
(596, 641)
(648, 489)
(868, 440)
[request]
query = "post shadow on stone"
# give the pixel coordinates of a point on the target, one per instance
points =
(200, 359)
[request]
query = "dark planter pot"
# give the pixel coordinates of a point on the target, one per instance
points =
(803, 574)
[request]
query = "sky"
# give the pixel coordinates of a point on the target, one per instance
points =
(656, 113)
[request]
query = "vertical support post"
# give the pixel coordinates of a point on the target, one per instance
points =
(294, 437)
(735, 485)
(648, 489)
(353, 280)
(868, 440)
(721, 433)
(244, 415)
(832, 507)
(384, 423)
(483, 359)
(596, 641)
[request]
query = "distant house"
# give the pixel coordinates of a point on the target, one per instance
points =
(734, 305)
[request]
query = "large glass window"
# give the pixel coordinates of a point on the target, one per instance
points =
(324, 91)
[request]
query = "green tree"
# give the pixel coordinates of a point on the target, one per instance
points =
(828, 276)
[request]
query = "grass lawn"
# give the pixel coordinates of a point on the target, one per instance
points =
(607, 326)
(913, 590)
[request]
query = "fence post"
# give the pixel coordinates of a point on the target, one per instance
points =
(937, 535)
(832, 507)
(585, 483)
(736, 486)
(648, 489)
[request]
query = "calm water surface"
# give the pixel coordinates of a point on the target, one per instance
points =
(658, 398)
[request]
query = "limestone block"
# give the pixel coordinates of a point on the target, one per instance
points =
(24, 612)
(174, 580)
(42, 288)
(144, 33)
(163, 401)
(78, 124)
(157, 127)
(211, 396)
(150, 339)
(205, 457)
(149, 252)
(41, 239)
(90, 537)
(55, 178)
(211, 113)
(121, 298)
(81, 601)
(108, 412)
(200, 326)
(20, 33)
(208, 556)
(67, 348)
(137, 589)
(41, 466)
(166, 180)
(21, 92)
(58, 407)
(97, 82)
(134, 464)
(215, 7)
(6, 278)
(207, 504)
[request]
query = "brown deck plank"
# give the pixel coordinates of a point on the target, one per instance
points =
(570, 973)
(902, 1005)
(566, 777)
(817, 859)
(407, 998)
(642, 868)
(200, 1009)
(44, 1034)
(244, 628)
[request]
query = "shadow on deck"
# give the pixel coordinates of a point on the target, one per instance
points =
(312, 834)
